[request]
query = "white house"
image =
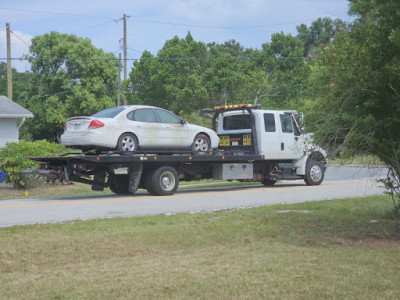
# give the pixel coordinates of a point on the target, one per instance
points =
(10, 112)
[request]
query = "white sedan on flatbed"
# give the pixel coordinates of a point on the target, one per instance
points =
(135, 127)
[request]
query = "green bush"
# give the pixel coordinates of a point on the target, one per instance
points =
(14, 158)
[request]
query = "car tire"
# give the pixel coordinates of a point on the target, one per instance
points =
(201, 144)
(314, 173)
(163, 181)
(127, 142)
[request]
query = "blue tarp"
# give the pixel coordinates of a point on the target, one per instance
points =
(1, 177)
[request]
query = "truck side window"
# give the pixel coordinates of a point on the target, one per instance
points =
(296, 127)
(286, 122)
(269, 122)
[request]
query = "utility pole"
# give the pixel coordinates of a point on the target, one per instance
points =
(119, 81)
(9, 70)
(125, 56)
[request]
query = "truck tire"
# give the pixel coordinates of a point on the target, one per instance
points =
(162, 181)
(201, 144)
(118, 184)
(314, 173)
(127, 142)
(268, 182)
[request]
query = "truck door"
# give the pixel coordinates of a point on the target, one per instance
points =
(270, 137)
(290, 143)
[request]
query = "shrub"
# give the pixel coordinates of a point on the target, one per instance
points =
(14, 158)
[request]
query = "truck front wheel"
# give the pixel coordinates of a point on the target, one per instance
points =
(162, 181)
(314, 173)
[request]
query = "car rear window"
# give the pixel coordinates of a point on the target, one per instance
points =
(108, 112)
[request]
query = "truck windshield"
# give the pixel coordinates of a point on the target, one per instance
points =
(236, 122)
(108, 112)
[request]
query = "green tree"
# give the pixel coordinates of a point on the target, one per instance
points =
(172, 79)
(69, 77)
(286, 69)
(225, 73)
(320, 33)
(20, 81)
(359, 76)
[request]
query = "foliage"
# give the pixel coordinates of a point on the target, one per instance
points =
(321, 33)
(70, 77)
(359, 78)
(14, 158)
(189, 75)
(19, 82)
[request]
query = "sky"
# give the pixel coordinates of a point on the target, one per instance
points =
(150, 23)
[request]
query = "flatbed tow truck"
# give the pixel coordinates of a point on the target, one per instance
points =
(255, 145)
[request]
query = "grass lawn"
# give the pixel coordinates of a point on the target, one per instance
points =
(341, 249)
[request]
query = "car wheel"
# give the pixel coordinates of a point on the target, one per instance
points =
(127, 142)
(201, 144)
(314, 173)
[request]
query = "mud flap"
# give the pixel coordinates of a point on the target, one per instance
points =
(135, 173)
(98, 180)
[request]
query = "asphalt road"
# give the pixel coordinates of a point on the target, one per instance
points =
(340, 182)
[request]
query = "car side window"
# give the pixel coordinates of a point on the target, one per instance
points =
(269, 122)
(167, 117)
(286, 123)
(143, 115)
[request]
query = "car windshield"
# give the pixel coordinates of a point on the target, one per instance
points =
(108, 113)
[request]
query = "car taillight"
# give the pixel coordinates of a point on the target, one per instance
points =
(65, 127)
(95, 124)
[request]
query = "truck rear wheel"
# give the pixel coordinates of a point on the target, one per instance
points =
(314, 173)
(118, 184)
(268, 182)
(162, 181)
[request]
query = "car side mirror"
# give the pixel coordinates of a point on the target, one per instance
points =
(183, 122)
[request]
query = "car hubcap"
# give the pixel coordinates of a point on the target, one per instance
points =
(200, 145)
(167, 181)
(128, 144)
(315, 173)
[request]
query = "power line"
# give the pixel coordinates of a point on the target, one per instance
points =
(19, 38)
(163, 59)
(54, 13)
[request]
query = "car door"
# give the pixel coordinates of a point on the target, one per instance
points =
(145, 126)
(175, 132)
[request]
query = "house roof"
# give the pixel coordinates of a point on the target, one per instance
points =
(10, 109)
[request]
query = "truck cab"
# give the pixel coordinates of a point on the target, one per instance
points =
(274, 134)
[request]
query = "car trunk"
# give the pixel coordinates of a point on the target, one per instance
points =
(78, 124)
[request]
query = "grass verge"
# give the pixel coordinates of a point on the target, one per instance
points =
(79, 189)
(342, 249)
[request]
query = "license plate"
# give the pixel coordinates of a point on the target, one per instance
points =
(246, 140)
(224, 140)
